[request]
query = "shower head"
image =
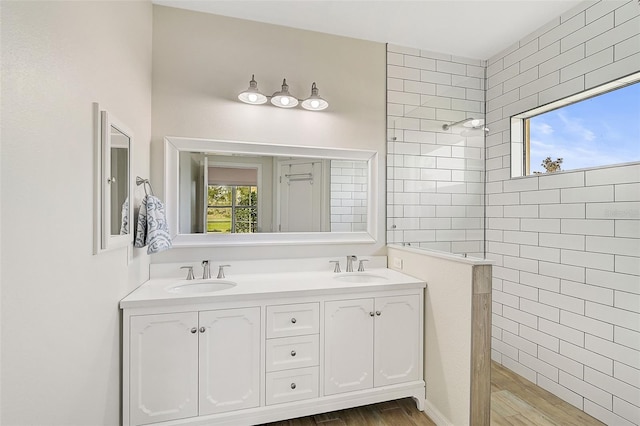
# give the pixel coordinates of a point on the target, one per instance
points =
(470, 122)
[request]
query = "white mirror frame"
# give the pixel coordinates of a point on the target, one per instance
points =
(103, 240)
(375, 185)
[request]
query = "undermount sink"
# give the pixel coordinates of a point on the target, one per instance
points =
(360, 277)
(201, 286)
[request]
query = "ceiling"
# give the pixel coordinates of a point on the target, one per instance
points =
(470, 28)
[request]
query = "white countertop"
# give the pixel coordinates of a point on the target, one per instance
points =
(268, 285)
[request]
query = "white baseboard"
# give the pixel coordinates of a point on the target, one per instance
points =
(435, 415)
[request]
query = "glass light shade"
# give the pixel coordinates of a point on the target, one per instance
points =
(283, 98)
(252, 95)
(314, 102)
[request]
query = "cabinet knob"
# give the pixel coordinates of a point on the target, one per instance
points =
(293, 320)
(293, 353)
(194, 330)
(202, 329)
(371, 313)
(378, 313)
(293, 385)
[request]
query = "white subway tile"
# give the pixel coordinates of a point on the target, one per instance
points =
(558, 62)
(621, 210)
(613, 175)
(596, 194)
(522, 52)
(565, 241)
(562, 301)
(566, 28)
(451, 67)
(606, 382)
(435, 174)
(403, 98)
(563, 211)
(561, 391)
(520, 290)
(520, 343)
(562, 332)
(550, 196)
(587, 65)
(539, 338)
(600, 9)
(587, 227)
(504, 223)
(538, 366)
(587, 390)
(540, 281)
(628, 11)
(612, 315)
(627, 228)
(627, 192)
(587, 292)
(419, 112)
(543, 83)
(504, 273)
(519, 316)
(517, 237)
(519, 369)
(626, 337)
(560, 362)
(521, 185)
(520, 79)
(434, 77)
(568, 272)
(623, 246)
(521, 264)
(562, 180)
(466, 105)
(395, 59)
(475, 71)
(588, 32)
(451, 211)
(420, 87)
(521, 211)
(540, 225)
(615, 281)
(540, 56)
(626, 374)
(419, 62)
(612, 71)
(450, 91)
(540, 253)
(615, 35)
(562, 90)
(474, 95)
(404, 73)
(626, 48)
(627, 265)
(588, 259)
(627, 410)
(545, 311)
(504, 348)
(604, 415)
(504, 324)
(467, 82)
(587, 357)
(502, 100)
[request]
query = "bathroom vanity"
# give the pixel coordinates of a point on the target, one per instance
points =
(266, 346)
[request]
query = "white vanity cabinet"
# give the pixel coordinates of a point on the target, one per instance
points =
(371, 342)
(276, 353)
(189, 364)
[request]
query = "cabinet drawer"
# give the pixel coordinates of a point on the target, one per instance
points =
(293, 320)
(292, 352)
(291, 385)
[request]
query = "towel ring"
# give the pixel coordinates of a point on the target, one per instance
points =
(145, 182)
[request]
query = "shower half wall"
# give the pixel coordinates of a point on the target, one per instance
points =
(435, 177)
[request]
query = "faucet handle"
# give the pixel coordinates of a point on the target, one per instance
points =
(361, 265)
(221, 270)
(190, 275)
(336, 268)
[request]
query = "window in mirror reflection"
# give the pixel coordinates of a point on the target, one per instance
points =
(232, 209)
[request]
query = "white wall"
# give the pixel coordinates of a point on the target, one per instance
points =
(435, 178)
(567, 279)
(60, 319)
(202, 61)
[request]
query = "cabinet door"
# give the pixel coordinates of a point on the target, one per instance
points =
(348, 346)
(229, 360)
(163, 367)
(397, 340)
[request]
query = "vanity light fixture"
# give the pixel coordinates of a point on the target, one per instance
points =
(282, 98)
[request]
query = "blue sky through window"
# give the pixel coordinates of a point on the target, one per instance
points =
(598, 131)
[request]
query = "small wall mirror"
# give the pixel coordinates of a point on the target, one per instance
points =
(236, 193)
(113, 181)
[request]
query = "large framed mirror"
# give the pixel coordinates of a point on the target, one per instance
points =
(221, 193)
(113, 185)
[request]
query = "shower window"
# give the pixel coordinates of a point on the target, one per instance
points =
(598, 127)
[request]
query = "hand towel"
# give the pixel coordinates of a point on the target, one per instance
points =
(152, 229)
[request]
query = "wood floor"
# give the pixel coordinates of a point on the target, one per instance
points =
(514, 402)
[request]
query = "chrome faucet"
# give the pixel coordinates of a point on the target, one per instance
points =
(221, 271)
(206, 270)
(350, 260)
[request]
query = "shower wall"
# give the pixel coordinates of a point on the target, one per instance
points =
(435, 178)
